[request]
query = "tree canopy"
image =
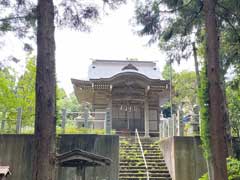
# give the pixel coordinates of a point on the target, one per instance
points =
(175, 24)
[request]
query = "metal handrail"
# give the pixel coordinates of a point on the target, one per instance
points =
(144, 159)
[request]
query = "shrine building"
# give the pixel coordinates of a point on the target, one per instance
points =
(133, 92)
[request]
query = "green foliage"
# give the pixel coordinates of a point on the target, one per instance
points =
(8, 98)
(61, 96)
(204, 177)
(26, 93)
(171, 23)
(233, 169)
(184, 88)
(233, 100)
(72, 130)
(7, 89)
(166, 72)
(204, 101)
(17, 92)
(20, 16)
(174, 24)
(69, 103)
(20, 92)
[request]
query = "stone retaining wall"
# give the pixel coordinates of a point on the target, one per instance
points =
(184, 157)
(17, 152)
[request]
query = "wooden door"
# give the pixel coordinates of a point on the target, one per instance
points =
(136, 119)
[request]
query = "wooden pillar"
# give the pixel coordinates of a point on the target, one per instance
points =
(108, 122)
(108, 117)
(80, 173)
(146, 116)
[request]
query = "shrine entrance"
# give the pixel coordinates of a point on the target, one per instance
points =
(128, 116)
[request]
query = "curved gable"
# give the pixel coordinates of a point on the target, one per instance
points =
(130, 66)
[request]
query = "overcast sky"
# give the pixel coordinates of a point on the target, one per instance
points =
(111, 39)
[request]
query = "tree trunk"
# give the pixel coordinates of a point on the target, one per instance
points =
(45, 123)
(218, 145)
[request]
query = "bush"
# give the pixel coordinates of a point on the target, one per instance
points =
(233, 168)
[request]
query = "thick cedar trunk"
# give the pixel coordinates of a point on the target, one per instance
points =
(218, 145)
(45, 123)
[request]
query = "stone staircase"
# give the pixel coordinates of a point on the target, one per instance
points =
(132, 165)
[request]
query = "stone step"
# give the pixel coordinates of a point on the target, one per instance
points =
(140, 160)
(147, 157)
(153, 164)
(132, 166)
(138, 149)
(137, 174)
(156, 151)
(130, 153)
(159, 174)
(137, 145)
(142, 174)
(145, 178)
(143, 170)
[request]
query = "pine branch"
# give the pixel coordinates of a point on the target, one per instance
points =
(195, 15)
(13, 18)
(231, 25)
(228, 10)
(177, 8)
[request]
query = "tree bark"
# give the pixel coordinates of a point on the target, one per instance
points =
(218, 145)
(45, 123)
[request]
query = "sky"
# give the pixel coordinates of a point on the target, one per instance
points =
(112, 38)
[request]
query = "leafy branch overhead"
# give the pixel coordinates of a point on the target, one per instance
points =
(20, 15)
(176, 23)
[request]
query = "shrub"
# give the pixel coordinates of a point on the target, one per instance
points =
(233, 168)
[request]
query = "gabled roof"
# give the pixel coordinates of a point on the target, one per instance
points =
(109, 68)
(78, 157)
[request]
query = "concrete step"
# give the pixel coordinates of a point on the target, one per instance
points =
(132, 166)
(140, 174)
(140, 157)
(143, 167)
(149, 161)
(143, 170)
(150, 164)
(145, 178)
